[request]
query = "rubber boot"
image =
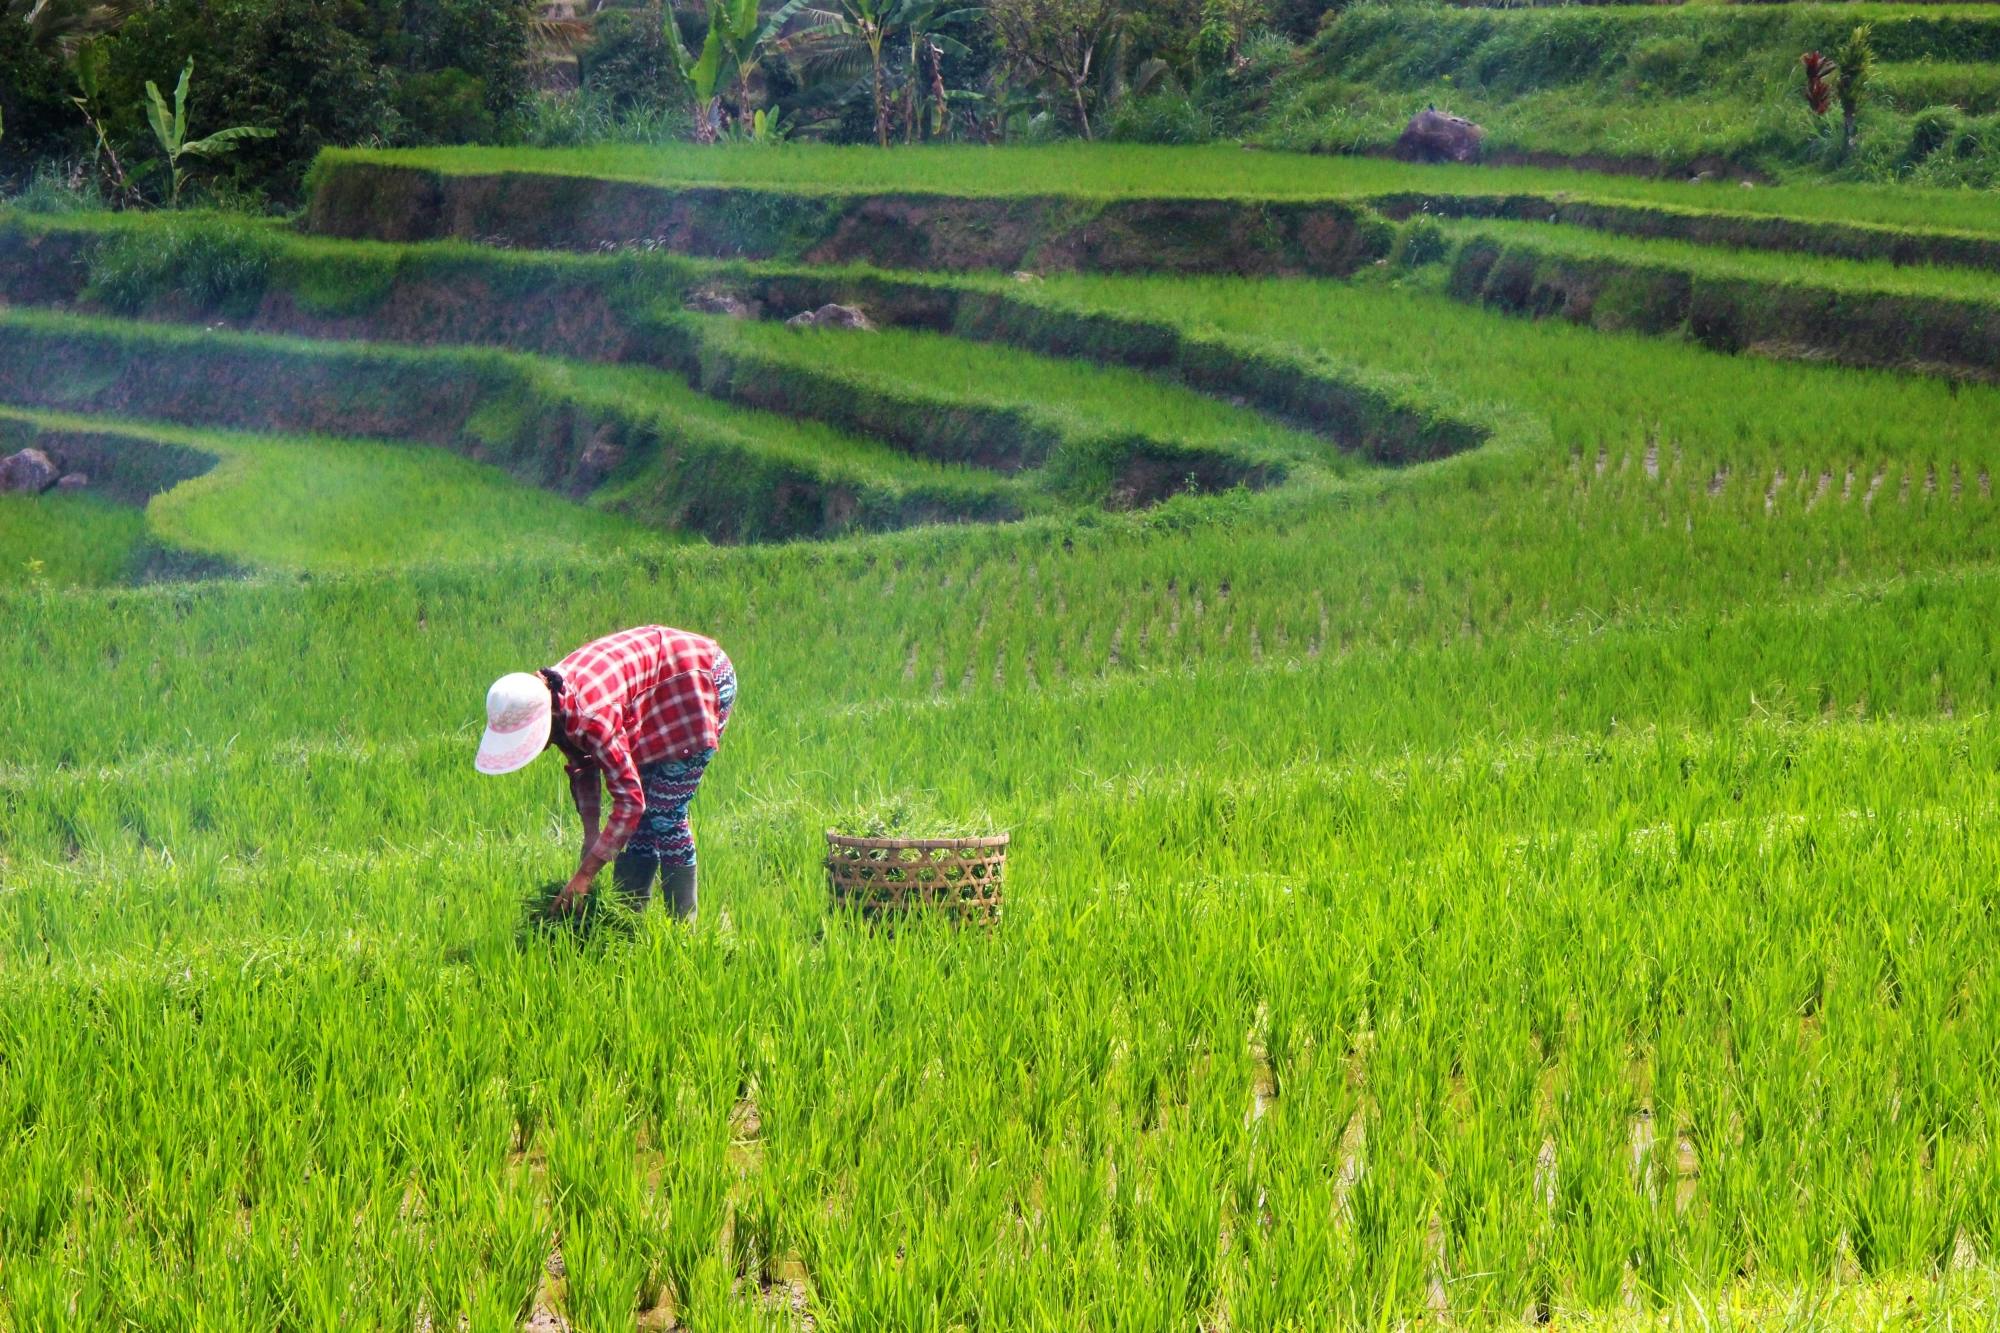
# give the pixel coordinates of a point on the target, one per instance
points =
(677, 885)
(633, 872)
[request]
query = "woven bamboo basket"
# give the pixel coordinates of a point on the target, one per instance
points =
(962, 878)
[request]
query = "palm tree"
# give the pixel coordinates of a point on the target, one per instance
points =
(64, 25)
(65, 29)
(837, 38)
(555, 33)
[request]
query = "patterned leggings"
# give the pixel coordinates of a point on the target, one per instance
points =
(670, 785)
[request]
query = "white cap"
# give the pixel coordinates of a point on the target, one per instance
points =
(517, 723)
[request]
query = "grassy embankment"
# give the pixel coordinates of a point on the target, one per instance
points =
(1103, 171)
(1108, 172)
(1109, 437)
(1940, 321)
(315, 505)
(661, 451)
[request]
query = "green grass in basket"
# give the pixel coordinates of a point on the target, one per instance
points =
(905, 817)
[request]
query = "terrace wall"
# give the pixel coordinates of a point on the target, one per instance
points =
(1735, 314)
(377, 201)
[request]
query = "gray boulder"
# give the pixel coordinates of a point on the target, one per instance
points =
(710, 302)
(1434, 136)
(72, 481)
(833, 316)
(27, 473)
(599, 459)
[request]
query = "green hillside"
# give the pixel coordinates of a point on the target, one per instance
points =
(1658, 89)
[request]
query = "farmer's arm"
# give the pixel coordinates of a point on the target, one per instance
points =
(583, 789)
(628, 803)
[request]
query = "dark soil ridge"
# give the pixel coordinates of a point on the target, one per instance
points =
(1610, 164)
(483, 404)
(1326, 238)
(542, 211)
(1374, 417)
(1791, 321)
(612, 311)
(1120, 470)
(1742, 231)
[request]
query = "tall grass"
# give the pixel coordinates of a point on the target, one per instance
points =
(66, 540)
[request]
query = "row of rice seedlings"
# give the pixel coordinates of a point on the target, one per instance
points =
(845, 648)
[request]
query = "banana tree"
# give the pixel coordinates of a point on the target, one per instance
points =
(700, 74)
(171, 130)
(738, 41)
(925, 24)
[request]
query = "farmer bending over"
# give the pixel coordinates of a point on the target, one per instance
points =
(644, 709)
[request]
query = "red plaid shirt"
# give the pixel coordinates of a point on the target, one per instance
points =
(628, 700)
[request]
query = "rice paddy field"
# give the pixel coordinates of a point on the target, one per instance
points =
(1111, 171)
(1502, 806)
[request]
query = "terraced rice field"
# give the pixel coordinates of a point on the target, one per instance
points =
(1501, 806)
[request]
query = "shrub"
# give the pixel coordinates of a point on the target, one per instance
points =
(1300, 19)
(210, 267)
(569, 120)
(1969, 159)
(1931, 129)
(627, 62)
(449, 106)
(319, 73)
(1168, 117)
(486, 40)
(1420, 241)
(34, 103)
(288, 65)
(1666, 64)
(1977, 138)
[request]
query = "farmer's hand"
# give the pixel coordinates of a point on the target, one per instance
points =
(570, 899)
(573, 893)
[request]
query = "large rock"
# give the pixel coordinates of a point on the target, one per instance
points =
(714, 302)
(599, 459)
(1434, 136)
(833, 317)
(29, 472)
